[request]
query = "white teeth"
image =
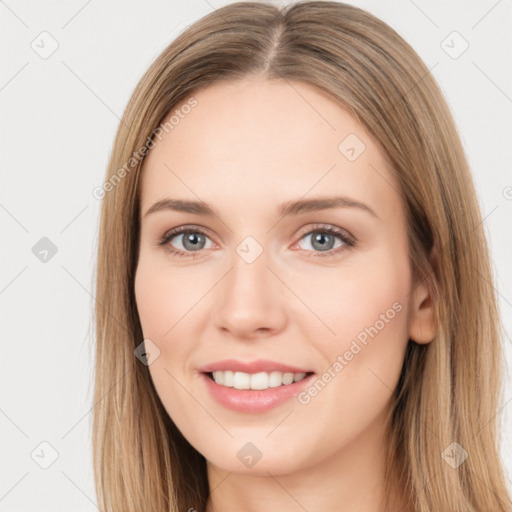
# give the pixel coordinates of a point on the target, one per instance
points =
(228, 378)
(287, 378)
(218, 377)
(261, 380)
(298, 376)
(241, 380)
(275, 379)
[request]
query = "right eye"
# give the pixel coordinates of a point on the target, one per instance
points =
(192, 240)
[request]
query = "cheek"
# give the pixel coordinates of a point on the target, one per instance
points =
(162, 313)
(171, 304)
(367, 309)
(160, 309)
(361, 291)
(163, 297)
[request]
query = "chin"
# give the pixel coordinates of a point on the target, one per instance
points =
(247, 458)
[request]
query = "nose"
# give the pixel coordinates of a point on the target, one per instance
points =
(251, 300)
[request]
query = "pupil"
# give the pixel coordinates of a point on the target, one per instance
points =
(193, 239)
(321, 239)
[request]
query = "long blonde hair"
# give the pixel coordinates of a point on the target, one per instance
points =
(449, 389)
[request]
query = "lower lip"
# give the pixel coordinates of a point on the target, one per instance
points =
(252, 400)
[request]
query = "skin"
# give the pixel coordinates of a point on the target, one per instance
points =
(247, 147)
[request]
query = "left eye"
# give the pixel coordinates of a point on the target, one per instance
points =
(320, 241)
(323, 240)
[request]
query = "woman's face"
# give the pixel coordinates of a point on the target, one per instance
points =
(261, 279)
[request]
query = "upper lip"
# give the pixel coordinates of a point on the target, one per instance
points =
(260, 365)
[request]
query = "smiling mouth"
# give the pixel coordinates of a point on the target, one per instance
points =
(256, 381)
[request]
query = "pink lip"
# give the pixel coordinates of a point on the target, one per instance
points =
(252, 400)
(260, 365)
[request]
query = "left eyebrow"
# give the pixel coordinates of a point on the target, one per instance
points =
(322, 203)
(296, 207)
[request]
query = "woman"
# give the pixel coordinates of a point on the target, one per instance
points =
(335, 342)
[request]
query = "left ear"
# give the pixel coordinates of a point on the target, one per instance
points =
(422, 321)
(422, 327)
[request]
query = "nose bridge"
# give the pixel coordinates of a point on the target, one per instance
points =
(249, 298)
(248, 282)
(250, 267)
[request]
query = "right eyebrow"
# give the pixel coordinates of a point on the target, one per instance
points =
(182, 205)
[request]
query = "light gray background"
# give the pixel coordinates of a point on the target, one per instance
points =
(59, 119)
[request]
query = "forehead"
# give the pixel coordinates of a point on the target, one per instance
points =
(254, 142)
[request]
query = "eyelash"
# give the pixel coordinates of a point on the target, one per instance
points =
(348, 241)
